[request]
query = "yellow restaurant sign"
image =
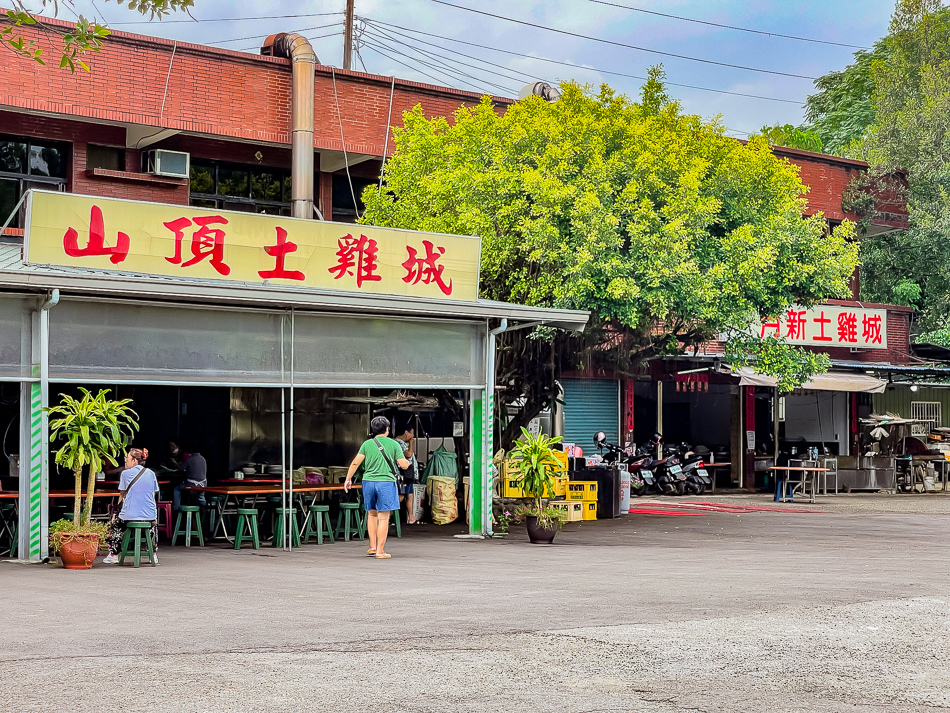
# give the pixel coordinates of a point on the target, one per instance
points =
(205, 243)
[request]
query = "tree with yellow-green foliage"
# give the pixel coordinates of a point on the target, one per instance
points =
(667, 230)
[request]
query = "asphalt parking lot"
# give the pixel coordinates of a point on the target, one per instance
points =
(846, 609)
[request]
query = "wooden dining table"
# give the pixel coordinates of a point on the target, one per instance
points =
(232, 493)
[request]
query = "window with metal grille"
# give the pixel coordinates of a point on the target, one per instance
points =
(928, 411)
(29, 163)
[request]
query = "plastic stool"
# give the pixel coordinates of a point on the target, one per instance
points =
(165, 524)
(278, 540)
(394, 518)
(249, 516)
(319, 514)
(349, 511)
(140, 527)
(189, 511)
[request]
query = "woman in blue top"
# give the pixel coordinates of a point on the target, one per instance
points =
(138, 491)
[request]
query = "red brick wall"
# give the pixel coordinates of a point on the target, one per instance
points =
(217, 92)
(827, 178)
(80, 134)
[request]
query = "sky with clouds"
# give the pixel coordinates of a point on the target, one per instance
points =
(391, 43)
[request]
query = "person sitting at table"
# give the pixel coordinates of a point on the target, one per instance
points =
(196, 476)
(378, 457)
(138, 492)
(176, 457)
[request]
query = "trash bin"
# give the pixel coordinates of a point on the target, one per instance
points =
(608, 489)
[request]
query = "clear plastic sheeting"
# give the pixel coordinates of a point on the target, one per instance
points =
(334, 350)
(15, 336)
(117, 341)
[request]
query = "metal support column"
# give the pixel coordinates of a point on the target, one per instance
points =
(480, 486)
(34, 440)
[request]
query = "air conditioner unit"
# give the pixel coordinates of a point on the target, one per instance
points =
(160, 162)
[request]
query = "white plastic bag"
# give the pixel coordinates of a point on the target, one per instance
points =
(419, 496)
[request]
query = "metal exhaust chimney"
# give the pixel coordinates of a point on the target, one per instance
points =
(303, 62)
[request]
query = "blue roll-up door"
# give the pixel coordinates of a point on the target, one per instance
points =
(591, 405)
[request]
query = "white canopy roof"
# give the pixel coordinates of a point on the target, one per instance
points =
(831, 381)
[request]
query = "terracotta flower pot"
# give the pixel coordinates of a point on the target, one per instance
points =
(539, 535)
(79, 552)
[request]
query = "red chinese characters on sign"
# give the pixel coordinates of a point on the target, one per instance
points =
(96, 245)
(871, 329)
(795, 323)
(829, 325)
(775, 326)
(848, 328)
(279, 253)
(426, 269)
(206, 242)
(821, 322)
(356, 257)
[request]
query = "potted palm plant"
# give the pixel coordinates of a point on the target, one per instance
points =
(536, 469)
(94, 430)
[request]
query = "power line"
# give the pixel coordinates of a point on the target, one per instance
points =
(440, 61)
(565, 64)
(310, 39)
(414, 69)
(440, 68)
(728, 27)
(226, 19)
(622, 44)
(379, 33)
(268, 34)
(523, 76)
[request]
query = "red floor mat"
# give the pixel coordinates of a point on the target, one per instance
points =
(735, 507)
(655, 511)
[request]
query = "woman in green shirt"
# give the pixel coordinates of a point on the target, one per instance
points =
(379, 457)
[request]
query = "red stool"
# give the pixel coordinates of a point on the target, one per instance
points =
(167, 526)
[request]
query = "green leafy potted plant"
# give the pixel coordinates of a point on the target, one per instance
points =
(535, 471)
(95, 429)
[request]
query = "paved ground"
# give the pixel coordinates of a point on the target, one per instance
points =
(771, 612)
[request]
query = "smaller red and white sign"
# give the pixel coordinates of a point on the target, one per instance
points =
(829, 326)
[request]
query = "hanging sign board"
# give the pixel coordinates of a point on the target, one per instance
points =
(829, 326)
(209, 244)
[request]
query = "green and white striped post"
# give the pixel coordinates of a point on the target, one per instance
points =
(34, 439)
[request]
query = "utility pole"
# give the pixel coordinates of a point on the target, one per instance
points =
(348, 36)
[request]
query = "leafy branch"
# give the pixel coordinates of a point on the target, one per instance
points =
(789, 365)
(85, 35)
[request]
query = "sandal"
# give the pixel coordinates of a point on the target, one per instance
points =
(384, 556)
(370, 553)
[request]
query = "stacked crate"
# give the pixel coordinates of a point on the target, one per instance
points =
(585, 492)
(573, 508)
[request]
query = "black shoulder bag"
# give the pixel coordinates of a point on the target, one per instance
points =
(402, 475)
(118, 506)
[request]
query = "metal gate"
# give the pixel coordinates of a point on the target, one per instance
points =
(591, 405)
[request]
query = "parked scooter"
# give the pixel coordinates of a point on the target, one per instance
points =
(664, 476)
(697, 478)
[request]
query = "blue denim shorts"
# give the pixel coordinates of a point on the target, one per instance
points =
(380, 495)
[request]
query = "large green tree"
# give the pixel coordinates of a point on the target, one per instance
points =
(667, 230)
(842, 110)
(900, 97)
